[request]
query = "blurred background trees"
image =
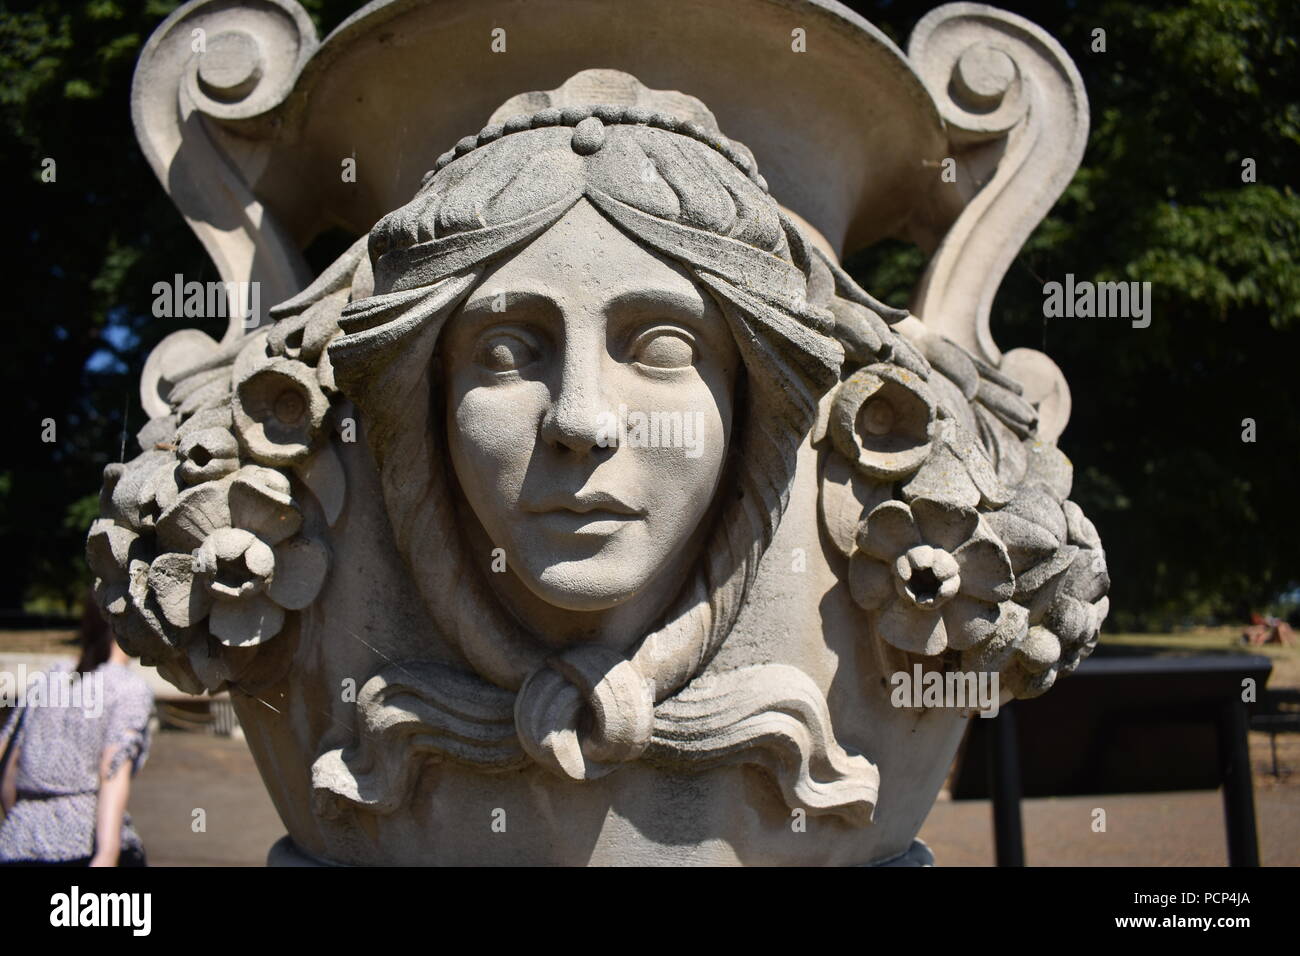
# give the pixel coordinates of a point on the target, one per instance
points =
(1197, 523)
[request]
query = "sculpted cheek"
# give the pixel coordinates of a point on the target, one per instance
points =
(495, 432)
(679, 472)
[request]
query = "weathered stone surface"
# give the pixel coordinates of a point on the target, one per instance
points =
(583, 510)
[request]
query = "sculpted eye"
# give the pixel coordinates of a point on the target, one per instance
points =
(504, 350)
(664, 347)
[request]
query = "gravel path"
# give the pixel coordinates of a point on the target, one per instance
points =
(188, 771)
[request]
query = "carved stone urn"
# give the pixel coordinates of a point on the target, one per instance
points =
(585, 511)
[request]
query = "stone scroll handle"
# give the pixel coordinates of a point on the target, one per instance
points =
(1017, 121)
(208, 69)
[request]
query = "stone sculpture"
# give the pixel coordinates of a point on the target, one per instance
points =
(583, 509)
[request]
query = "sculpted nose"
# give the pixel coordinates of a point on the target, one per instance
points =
(577, 418)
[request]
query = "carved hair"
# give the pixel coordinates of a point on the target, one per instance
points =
(681, 196)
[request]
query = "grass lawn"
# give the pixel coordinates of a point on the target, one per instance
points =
(1215, 640)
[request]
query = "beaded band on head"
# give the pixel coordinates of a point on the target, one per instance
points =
(589, 124)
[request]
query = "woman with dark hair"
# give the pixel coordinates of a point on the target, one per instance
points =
(67, 777)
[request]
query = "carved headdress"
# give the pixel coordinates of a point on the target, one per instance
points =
(685, 191)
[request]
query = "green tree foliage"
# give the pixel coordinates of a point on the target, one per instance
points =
(1195, 521)
(82, 254)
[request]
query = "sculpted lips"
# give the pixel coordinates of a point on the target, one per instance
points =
(584, 502)
(587, 512)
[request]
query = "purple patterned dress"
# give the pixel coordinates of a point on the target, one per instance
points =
(58, 767)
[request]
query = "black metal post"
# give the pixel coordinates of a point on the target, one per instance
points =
(1238, 791)
(1004, 785)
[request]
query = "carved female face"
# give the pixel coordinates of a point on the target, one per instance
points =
(589, 395)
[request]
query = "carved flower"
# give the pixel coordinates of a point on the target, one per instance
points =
(234, 558)
(241, 584)
(1068, 612)
(934, 571)
(118, 550)
(881, 419)
(208, 455)
(278, 409)
(137, 495)
(254, 498)
(110, 551)
(958, 470)
(1061, 580)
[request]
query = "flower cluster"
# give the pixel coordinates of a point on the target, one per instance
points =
(962, 543)
(216, 531)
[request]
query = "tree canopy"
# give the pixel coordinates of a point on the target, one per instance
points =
(1196, 521)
